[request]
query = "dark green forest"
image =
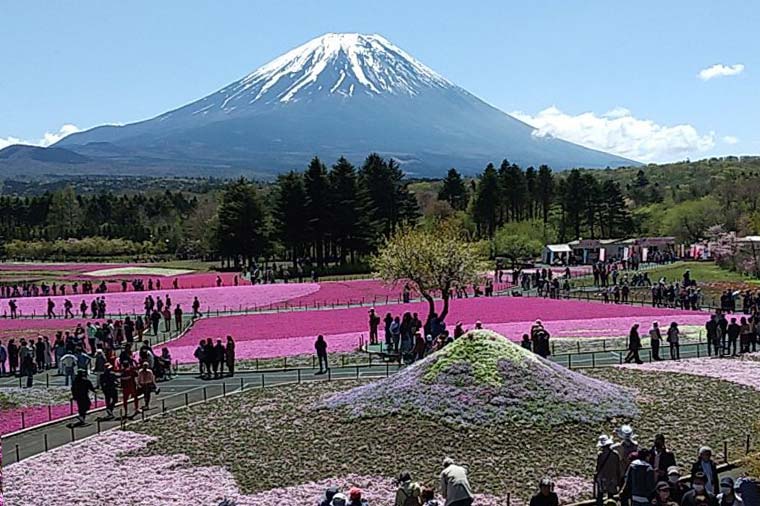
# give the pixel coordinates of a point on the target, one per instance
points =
(339, 214)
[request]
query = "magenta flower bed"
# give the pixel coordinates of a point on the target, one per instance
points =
(342, 292)
(344, 327)
(10, 419)
(222, 298)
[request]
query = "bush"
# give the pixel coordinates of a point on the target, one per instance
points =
(88, 248)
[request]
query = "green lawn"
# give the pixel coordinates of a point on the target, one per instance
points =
(703, 272)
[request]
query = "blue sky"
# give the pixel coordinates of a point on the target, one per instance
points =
(620, 76)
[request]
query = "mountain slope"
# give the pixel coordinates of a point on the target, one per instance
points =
(339, 94)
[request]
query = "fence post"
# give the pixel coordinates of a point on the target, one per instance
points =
(262, 381)
(187, 402)
(98, 421)
(747, 445)
(163, 405)
(593, 359)
(725, 451)
(241, 384)
(224, 389)
(570, 361)
(23, 420)
(18, 458)
(205, 395)
(299, 375)
(50, 412)
(357, 372)
(72, 433)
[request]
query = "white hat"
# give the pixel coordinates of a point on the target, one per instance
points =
(626, 431)
(704, 449)
(604, 440)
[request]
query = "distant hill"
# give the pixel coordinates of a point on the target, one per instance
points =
(22, 153)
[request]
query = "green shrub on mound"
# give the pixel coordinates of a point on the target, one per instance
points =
(483, 378)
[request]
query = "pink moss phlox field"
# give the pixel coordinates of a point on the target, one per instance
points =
(343, 328)
(10, 419)
(735, 370)
(162, 479)
(222, 298)
(63, 267)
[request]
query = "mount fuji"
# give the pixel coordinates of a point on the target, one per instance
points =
(336, 95)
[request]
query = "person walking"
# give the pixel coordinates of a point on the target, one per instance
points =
(655, 338)
(68, 366)
(196, 308)
(321, 347)
(167, 314)
(230, 355)
(634, 345)
(80, 392)
(455, 487)
(13, 357)
(146, 384)
(662, 458)
(178, 318)
(129, 385)
(608, 474)
(108, 386)
(639, 485)
(200, 355)
(706, 465)
(673, 341)
(3, 358)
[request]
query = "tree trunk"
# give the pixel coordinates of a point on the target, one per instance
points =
(445, 311)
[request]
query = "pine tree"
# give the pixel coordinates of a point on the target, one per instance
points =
(317, 209)
(454, 191)
(486, 202)
(531, 187)
(289, 211)
(242, 232)
(615, 211)
(391, 202)
(545, 190)
(351, 228)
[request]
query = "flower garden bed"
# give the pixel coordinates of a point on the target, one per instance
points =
(33, 403)
(286, 334)
(260, 446)
(229, 298)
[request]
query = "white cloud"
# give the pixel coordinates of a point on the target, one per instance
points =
(730, 139)
(619, 132)
(720, 70)
(48, 138)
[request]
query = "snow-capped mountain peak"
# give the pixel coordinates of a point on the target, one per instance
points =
(345, 64)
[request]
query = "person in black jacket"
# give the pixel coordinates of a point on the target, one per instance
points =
(634, 345)
(707, 467)
(545, 496)
(661, 458)
(219, 356)
(321, 348)
(80, 389)
(108, 385)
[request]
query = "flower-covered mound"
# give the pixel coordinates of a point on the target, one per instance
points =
(483, 378)
(743, 370)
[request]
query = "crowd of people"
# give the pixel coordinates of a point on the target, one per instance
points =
(212, 358)
(641, 475)
(625, 474)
